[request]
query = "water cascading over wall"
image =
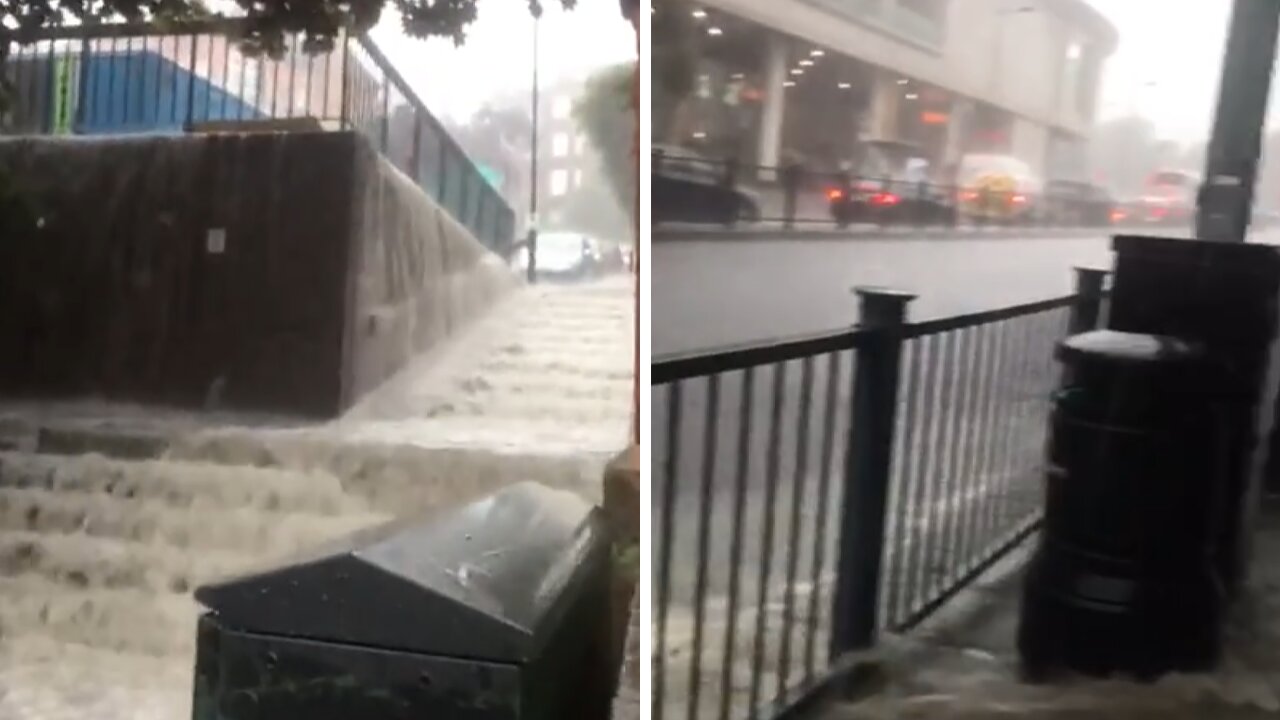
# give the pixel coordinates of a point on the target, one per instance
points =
(287, 273)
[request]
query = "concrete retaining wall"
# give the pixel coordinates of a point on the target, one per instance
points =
(285, 273)
(417, 277)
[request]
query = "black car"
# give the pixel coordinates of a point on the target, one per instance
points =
(688, 188)
(889, 185)
(889, 203)
(1074, 203)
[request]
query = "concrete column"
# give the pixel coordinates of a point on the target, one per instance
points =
(886, 98)
(1030, 144)
(959, 127)
(775, 100)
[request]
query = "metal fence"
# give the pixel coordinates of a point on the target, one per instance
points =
(689, 189)
(813, 492)
(141, 78)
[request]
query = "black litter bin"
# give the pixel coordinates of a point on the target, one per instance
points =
(499, 609)
(1123, 580)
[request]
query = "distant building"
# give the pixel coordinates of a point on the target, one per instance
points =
(805, 80)
(565, 156)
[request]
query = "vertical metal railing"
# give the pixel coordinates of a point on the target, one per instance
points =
(966, 473)
(925, 438)
(746, 475)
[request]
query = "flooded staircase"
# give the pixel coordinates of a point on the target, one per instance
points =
(111, 516)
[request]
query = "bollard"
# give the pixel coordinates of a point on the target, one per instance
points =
(866, 476)
(498, 609)
(1086, 313)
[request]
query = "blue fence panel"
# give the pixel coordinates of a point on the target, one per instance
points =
(145, 92)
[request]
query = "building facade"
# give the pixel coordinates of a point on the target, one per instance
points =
(565, 157)
(806, 80)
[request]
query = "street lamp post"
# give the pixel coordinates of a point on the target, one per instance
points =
(532, 242)
(1226, 197)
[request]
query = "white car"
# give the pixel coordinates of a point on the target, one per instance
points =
(563, 254)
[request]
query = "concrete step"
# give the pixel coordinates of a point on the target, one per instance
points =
(180, 484)
(79, 561)
(121, 620)
(196, 527)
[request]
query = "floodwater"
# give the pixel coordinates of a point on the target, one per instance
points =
(970, 669)
(98, 557)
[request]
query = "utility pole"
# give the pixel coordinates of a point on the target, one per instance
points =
(532, 245)
(1225, 202)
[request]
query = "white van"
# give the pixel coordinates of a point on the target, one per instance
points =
(997, 187)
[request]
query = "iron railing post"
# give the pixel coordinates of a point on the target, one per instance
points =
(415, 168)
(82, 100)
(1086, 311)
(344, 111)
(385, 125)
(868, 460)
(191, 82)
(790, 191)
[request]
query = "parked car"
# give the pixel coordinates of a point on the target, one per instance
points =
(1169, 198)
(564, 255)
(686, 187)
(998, 189)
(889, 184)
(1076, 203)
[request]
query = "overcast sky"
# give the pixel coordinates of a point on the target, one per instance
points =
(496, 58)
(1168, 64)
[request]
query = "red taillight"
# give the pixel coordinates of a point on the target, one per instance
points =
(884, 198)
(1158, 212)
(835, 194)
(1118, 215)
(1019, 199)
(968, 195)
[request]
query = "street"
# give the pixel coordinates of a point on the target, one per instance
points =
(709, 294)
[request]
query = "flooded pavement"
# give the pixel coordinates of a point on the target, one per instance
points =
(965, 666)
(99, 556)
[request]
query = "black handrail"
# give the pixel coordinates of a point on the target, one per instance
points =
(675, 367)
(933, 327)
(672, 368)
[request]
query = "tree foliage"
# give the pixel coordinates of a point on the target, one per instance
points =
(607, 112)
(268, 21)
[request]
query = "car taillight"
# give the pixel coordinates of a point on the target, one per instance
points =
(835, 194)
(968, 195)
(1118, 215)
(884, 198)
(1018, 199)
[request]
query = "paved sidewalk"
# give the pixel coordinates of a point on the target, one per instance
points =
(965, 666)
